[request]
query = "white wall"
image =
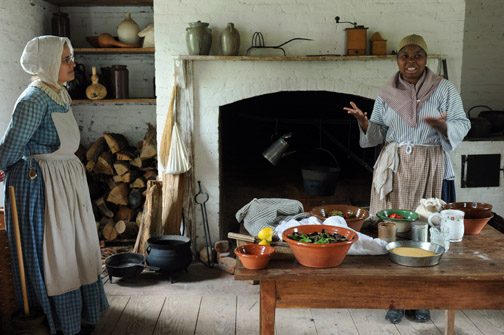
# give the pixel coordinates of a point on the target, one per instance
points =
(483, 65)
(20, 22)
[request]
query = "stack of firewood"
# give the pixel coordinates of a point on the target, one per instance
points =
(117, 178)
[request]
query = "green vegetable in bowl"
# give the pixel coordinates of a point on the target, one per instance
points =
(348, 215)
(318, 237)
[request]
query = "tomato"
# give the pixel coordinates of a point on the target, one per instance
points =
(395, 216)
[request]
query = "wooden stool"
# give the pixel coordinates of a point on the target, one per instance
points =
(8, 304)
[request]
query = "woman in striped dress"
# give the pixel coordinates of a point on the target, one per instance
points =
(58, 230)
(419, 118)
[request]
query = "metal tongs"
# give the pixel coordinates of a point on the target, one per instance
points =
(201, 199)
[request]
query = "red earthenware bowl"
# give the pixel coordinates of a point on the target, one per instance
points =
(320, 255)
(354, 216)
(254, 256)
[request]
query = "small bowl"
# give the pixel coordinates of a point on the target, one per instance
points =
(472, 210)
(474, 226)
(416, 261)
(323, 212)
(404, 224)
(320, 255)
(254, 256)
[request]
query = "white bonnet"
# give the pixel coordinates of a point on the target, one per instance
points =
(42, 57)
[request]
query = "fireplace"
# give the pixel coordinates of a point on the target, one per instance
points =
(255, 91)
(324, 139)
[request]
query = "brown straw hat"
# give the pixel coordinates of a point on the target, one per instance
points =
(413, 40)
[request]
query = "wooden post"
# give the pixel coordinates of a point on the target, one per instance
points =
(450, 322)
(268, 306)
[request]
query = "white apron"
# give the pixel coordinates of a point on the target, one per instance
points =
(71, 247)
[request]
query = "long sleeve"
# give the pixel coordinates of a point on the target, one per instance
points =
(376, 131)
(458, 124)
(26, 118)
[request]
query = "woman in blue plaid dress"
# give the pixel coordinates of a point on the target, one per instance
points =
(59, 237)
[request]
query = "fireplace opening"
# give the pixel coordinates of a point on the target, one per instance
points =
(322, 135)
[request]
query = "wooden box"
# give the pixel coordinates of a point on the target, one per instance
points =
(378, 47)
(356, 39)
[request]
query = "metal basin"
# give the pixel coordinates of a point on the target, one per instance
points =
(416, 261)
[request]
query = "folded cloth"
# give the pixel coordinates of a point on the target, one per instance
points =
(365, 245)
(266, 212)
(384, 169)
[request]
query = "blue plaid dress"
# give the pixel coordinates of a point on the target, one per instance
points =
(32, 131)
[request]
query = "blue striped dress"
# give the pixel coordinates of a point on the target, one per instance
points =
(386, 126)
(32, 131)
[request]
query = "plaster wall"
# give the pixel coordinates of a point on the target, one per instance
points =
(20, 22)
(483, 68)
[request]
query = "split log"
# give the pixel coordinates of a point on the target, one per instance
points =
(119, 194)
(102, 207)
(115, 142)
(139, 183)
(124, 213)
(110, 182)
(173, 199)
(131, 176)
(144, 163)
(90, 166)
(149, 144)
(121, 167)
(151, 223)
(104, 164)
(126, 154)
(151, 174)
(109, 232)
(96, 149)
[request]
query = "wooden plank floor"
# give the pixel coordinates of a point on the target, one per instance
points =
(207, 301)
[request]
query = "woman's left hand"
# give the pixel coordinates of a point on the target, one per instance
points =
(438, 123)
(2, 176)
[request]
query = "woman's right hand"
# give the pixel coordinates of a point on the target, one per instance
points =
(2, 176)
(358, 114)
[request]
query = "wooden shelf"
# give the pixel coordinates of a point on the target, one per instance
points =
(85, 3)
(135, 101)
(314, 58)
(114, 50)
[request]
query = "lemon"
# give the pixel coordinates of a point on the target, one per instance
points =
(266, 234)
(263, 242)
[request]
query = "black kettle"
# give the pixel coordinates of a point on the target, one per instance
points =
(77, 87)
(480, 126)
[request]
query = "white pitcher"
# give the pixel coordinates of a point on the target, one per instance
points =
(452, 219)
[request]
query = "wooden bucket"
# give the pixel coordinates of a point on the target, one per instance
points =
(8, 303)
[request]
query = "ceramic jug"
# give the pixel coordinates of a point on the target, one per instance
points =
(77, 87)
(230, 41)
(128, 30)
(453, 219)
(198, 38)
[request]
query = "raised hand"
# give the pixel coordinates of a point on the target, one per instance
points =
(358, 114)
(438, 123)
(2, 176)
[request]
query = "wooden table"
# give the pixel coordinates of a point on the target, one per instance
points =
(469, 276)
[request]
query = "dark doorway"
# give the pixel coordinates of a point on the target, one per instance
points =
(320, 130)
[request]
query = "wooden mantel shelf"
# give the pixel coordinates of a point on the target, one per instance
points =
(315, 58)
(114, 50)
(136, 101)
(74, 3)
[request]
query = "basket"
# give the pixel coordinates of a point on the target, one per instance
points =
(8, 304)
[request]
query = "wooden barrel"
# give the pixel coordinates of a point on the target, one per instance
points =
(8, 303)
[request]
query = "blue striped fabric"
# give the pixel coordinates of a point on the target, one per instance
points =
(387, 126)
(32, 131)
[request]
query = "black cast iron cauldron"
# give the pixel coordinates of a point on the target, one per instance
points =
(169, 253)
